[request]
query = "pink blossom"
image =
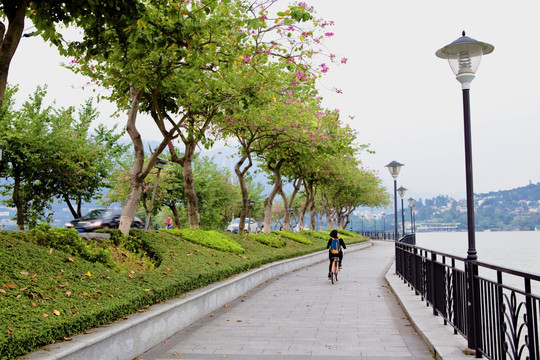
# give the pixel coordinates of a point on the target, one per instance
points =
(246, 58)
(329, 34)
(344, 60)
(294, 83)
(324, 68)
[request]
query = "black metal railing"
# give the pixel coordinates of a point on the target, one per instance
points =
(505, 302)
(378, 235)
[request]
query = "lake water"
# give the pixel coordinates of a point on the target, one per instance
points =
(518, 250)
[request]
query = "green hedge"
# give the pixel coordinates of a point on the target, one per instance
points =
(211, 239)
(348, 233)
(293, 236)
(269, 240)
(317, 234)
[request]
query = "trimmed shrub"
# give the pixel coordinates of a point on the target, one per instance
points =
(211, 239)
(316, 234)
(293, 236)
(268, 240)
(348, 233)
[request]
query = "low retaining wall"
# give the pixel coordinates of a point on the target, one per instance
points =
(140, 332)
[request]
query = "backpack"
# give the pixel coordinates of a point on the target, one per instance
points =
(334, 246)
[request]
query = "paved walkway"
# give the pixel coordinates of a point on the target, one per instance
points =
(301, 315)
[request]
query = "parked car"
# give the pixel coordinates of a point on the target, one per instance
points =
(252, 224)
(101, 219)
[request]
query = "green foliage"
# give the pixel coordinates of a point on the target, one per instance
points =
(348, 233)
(272, 240)
(69, 241)
(293, 236)
(49, 153)
(317, 234)
(211, 239)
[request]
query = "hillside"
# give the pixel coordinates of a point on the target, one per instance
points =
(510, 210)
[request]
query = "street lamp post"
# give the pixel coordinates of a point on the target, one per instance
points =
(384, 225)
(411, 204)
(402, 192)
(394, 167)
(464, 57)
(414, 217)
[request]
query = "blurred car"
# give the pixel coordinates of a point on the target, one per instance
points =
(101, 219)
(297, 228)
(252, 224)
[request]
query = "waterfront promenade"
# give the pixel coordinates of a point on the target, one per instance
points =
(301, 315)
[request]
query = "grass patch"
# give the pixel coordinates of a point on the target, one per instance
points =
(52, 287)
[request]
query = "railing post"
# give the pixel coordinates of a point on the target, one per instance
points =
(432, 282)
(500, 317)
(531, 322)
(474, 335)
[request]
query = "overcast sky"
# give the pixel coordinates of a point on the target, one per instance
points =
(405, 101)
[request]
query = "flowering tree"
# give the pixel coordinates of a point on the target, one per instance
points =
(180, 61)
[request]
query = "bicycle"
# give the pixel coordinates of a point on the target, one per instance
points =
(335, 269)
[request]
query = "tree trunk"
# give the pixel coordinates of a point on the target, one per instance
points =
(175, 216)
(269, 200)
(15, 11)
(286, 215)
(18, 202)
(241, 173)
(309, 205)
(189, 187)
(288, 204)
(130, 208)
(312, 220)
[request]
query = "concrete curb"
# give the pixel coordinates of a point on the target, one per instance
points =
(439, 337)
(140, 332)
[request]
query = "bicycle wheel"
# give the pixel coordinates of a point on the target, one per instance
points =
(334, 271)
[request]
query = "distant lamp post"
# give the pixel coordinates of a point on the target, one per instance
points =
(402, 192)
(394, 167)
(414, 218)
(464, 57)
(250, 210)
(160, 164)
(411, 204)
(384, 224)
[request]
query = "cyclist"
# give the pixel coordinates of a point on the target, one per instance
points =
(334, 235)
